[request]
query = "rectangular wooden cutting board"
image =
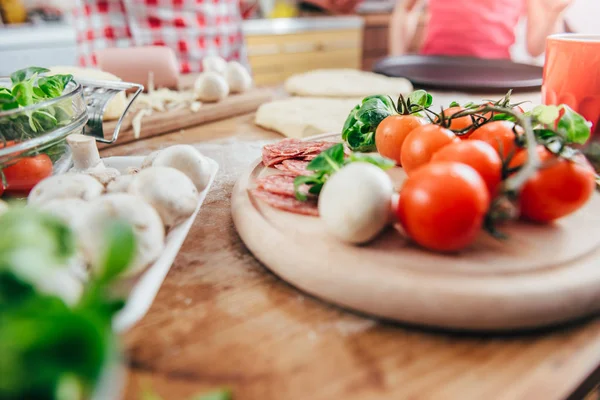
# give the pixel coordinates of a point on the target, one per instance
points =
(159, 123)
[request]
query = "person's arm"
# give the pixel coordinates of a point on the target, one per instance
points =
(402, 26)
(544, 17)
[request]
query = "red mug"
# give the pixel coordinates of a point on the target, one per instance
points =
(572, 74)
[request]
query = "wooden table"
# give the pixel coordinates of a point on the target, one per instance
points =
(222, 319)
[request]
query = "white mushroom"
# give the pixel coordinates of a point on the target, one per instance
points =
(169, 191)
(149, 159)
(65, 186)
(3, 207)
(120, 184)
(355, 202)
(238, 77)
(210, 86)
(132, 170)
(70, 210)
(214, 64)
(188, 160)
(145, 221)
(103, 175)
(86, 159)
(85, 152)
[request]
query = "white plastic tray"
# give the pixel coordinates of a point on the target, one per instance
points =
(143, 289)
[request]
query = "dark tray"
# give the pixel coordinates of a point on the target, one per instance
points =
(462, 73)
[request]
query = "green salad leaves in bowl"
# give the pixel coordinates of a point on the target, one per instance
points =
(37, 112)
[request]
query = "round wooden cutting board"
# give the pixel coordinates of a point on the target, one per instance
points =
(539, 276)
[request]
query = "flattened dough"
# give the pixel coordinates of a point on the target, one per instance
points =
(300, 117)
(348, 83)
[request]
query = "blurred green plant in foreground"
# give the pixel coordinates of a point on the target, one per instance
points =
(56, 340)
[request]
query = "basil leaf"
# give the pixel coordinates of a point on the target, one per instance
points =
(544, 134)
(315, 179)
(375, 159)
(420, 98)
(573, 126)
(365, 142)
(23, 93)
(43, 120)
(546, 115)
(26, 73)
(8, 101)
(349, 123)
(223, 394)
(503, 117)
(120, 250)
(372, 112)
(359, 128)
(53, 86)
(454, 104)
(329, 160)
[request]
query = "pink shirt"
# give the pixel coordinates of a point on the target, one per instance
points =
(477, 28)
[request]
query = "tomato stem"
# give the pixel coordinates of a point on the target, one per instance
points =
(515, 182)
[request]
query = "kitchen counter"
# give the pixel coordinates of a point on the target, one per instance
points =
(286, 26)
(222, 319)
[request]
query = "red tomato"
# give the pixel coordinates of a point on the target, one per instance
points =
(391, 133)
(556, 190)
(442, 206)
(23, 175)
(479, 155)
(458, 124)
(500, 135)
(421, 143)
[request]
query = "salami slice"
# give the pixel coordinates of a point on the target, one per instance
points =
(287, 203)
(294, 167)
(278, 184)
(287, 149)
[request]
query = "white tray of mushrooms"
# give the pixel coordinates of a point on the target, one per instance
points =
(159, 195)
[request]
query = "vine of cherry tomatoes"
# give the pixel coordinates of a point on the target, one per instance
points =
(462, 162)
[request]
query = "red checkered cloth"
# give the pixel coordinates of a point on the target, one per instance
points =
(194, 29)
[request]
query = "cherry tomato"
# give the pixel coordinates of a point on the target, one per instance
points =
(23, 175)
(442, 206)
(391, 133)
(479, 155)
(557, 189)
(458, 124)
(500, 135)
(422, 143)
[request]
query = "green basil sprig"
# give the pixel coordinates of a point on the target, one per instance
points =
(362, 122)
(329, 162)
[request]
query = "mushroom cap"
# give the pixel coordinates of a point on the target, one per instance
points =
(149, 159)
(355, 202)
(238, 77)
(103, 175)
(172, 194)
(143, 218)
(214, 64)
(188, 160)
(65, 186)
(120, 184)
(71, 210)
(211, 86)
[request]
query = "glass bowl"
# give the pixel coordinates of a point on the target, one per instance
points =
(27, 133)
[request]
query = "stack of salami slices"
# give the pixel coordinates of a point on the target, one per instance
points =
(291, 156)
